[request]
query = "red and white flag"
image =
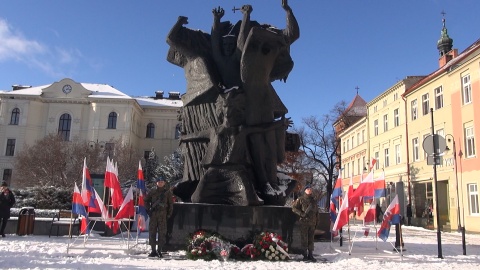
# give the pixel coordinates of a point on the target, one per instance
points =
(370, 215)
(127, 209)
(342, 217)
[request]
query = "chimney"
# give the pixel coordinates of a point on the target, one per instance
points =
(444, 59)
(20, 87)
(174, 95)
(158, 95)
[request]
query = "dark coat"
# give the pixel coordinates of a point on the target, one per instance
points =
(7, 200)
(306, 207)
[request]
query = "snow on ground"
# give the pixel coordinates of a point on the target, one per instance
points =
(42, 252)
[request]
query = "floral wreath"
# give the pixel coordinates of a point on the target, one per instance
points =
(207, 245)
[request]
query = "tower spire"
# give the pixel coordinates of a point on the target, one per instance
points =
(445, 43)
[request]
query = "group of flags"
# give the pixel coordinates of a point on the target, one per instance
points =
(368, 190)
(87, 200)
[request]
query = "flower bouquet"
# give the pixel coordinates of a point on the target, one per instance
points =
(267, 246)
(209, 246)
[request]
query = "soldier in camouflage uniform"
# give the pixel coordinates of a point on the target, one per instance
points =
(159, 205)
(307, 209)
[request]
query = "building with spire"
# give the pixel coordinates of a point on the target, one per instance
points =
(397, 123)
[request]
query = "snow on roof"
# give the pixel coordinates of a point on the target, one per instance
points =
(103, 91)
(148, 101)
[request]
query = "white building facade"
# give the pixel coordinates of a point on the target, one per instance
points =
(96, 113)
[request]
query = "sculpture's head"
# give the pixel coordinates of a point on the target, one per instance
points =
(229, 44)
(231, 108)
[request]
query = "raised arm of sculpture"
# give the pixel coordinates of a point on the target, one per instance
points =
(292, 30)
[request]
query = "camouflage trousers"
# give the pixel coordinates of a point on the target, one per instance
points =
(307, 233)
(157, 226)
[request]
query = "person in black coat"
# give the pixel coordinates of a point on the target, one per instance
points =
(7, 200)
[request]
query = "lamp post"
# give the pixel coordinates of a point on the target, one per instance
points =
(460, 228)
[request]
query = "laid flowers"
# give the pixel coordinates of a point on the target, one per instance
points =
(209, 246)
(269, 246)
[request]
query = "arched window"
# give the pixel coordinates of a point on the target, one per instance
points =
(150, 130)
(112, 120)
(15, 117)
(64, 126)
(178, 131)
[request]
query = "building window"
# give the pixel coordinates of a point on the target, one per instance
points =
(466, 90)
(353, 167)
(415, 155)
(363, 136)
(387, 159)
(385, 103)
(398, 159)
(469, 141)
(112, 120)
(353, 142)
(438, 98)
(64, 126)
(375, 108)
(344, 149)
(395, 96)
(375, 127)
(7, 175)
(385, 122)
(396, 118)
(425, 104)
(377, 156)
(473, 199)
(10, 151)
(358, 139)
(150, 130)
(15, 118)
(414, 110)
(178, 132)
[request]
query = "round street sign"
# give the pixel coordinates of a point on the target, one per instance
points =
(440, 144)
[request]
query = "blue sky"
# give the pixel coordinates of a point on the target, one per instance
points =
(343, 43)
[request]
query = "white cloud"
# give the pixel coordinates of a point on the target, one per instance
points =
(54, 61)
(14, 46)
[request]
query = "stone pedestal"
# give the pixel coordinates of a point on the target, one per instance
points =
(236, 223)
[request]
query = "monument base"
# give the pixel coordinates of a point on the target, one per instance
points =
(237, 223)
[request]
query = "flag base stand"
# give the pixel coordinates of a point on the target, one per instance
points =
(399, 244)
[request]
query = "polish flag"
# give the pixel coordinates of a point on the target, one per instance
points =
(342, 217)
(111, 181)
(372, 163)
(365, 189)
(127, 209)
(101, 205)
(370, 215)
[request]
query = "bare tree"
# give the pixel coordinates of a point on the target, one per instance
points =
(319, 142)
(51, 161)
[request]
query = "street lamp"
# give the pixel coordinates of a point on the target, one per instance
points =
(460, 227)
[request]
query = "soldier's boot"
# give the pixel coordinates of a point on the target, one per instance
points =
(159, 251)
(310, 256)
(154, 252)
(305, 256)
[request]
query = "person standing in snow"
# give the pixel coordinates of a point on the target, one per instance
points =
(307, 209)
(7, 200)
